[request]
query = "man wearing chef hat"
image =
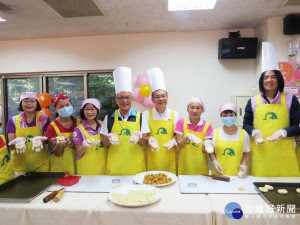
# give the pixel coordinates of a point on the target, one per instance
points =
(121, 130)
(159, 124)
(272, 119)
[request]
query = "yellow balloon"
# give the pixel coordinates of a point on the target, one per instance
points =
(145, 90)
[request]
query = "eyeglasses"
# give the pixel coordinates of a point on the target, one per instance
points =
(29, 101)
(91, 110)
(124, 98)
(160, 96)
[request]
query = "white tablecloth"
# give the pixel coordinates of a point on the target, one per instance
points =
(173, 208)
(94, 208)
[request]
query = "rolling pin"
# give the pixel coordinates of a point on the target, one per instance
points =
(217, 177)
(59, 195)
(50, 196)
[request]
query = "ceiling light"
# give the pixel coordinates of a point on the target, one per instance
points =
(2, 20)
(175, 5)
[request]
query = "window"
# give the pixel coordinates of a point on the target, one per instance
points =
(73, 86)
(14, 87)
(101, 87)
(77, 85)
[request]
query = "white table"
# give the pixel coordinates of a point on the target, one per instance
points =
(94, 208)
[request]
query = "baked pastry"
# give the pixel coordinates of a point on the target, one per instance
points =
(60, 138)
(282, 191)
(260, 140)
(36, 144)
(210, 149)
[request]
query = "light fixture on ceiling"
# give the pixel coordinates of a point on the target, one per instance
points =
(176, 5)
(2, 20)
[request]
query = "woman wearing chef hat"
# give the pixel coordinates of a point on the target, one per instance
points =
(90, 152)
(193, 134)
(159, 124)
(25, 133)
(121, 130)
(59, 133)
(232, 145)
(272, 119)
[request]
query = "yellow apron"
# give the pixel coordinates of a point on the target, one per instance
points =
(125, 158)
(163, 132)
(6, 173)
(67, 160)
(298, 154)
(273, 159)
(93, 162)
(30, 161)
(192, 161)
(229, 154)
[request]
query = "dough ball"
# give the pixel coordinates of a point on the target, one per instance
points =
(260, 140)
(282, 191)
(210, 150)
(263, 189)
(91, 140)
(269, 187)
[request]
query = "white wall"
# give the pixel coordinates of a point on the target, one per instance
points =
(189, 61)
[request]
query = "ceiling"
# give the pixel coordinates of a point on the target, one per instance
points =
(27, 19)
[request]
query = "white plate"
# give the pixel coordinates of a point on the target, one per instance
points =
(139, 178)
(125, 189)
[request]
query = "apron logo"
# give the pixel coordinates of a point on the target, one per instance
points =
(162, 130)
(192, 143)
(127, 132)
(272, 117)
(7, 158)
(28, 138)
(230, 152)
(100, 145)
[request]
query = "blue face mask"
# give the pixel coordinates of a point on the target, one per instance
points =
(228, 121)
(66, 111)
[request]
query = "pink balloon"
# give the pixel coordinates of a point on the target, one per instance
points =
(136, 95)
(142, 79)
(148, 102)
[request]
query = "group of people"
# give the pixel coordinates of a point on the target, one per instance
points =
(128, 142)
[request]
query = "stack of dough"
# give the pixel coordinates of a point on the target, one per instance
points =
(134, 197)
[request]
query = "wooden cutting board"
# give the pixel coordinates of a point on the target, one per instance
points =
(207, 185)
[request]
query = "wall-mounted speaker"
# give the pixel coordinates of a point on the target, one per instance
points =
(237, 48)
(291, 24)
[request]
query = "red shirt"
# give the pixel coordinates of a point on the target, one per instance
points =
(51, 133)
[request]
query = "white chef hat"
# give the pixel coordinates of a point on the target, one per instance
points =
(156, 78)
(122, 79)
(269, 58)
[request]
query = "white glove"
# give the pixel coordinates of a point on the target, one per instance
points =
(19, 141)
(153, 143)
(217, 166)
(242, 171)
(37, 143)
(209, 146)
(258, 138)
(194, 138)
(135, 137)
(278, 134)
(113, 139)
(170, 144)
(86, 143)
